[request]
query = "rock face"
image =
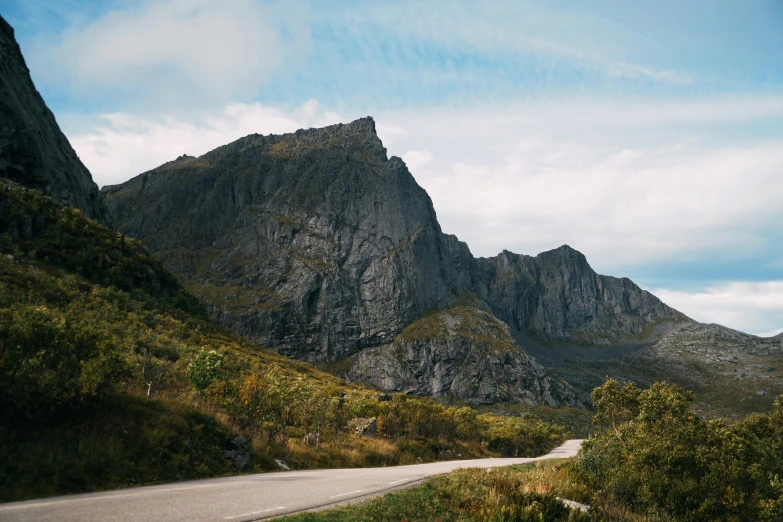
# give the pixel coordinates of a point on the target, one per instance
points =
(239, 454)
(314, 243)
(463, 352)
(557, 297)
(318, 245)
(33, 150)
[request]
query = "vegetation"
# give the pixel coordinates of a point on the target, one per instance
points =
(517, 493)
(577, 421)
(468, 319)
(652, 459)
(654, 456)
(111, 374)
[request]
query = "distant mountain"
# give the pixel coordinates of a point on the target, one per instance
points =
(33, 150)
(318, 245)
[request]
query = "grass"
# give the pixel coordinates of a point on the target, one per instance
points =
(578, 421)
(510, 493)
(463, 319)
(359, 452)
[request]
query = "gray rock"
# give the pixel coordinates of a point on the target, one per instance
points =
(312, 439)
(574, 505)
(238, 452)
(314, 244)
(462, 352)
(363, 427)
(33, 150)
(557, 296)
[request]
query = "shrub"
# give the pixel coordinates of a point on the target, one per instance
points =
(49, 360)
(654, 455)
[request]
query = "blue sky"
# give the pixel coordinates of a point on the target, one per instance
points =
(648, 135)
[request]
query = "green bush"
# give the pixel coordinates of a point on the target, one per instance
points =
(654, 455)
(49, 360)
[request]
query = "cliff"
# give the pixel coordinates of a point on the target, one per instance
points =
(33, 150)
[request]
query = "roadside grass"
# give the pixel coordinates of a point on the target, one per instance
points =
(514, 493)
(578, 421)
(360, 452)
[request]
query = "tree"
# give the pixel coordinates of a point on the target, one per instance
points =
(204, 369)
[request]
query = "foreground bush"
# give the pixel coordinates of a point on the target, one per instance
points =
(653, 455)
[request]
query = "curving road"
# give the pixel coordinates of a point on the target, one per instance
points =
(248, 497)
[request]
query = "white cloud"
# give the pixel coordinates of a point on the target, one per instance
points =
(625, 182)
(120, 146)
(621, 207)
(389, 133)
(523, 28)
(169, 50)
(749, 307)
(417, 159)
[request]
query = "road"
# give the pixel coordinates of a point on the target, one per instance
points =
(248, 497)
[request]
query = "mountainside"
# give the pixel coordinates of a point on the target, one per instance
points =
(94, 332)
(313, 243)
(33, 150)
(319, 246)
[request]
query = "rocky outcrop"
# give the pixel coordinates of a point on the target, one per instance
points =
(238, 452)
(462, 352)
(363, 427)
(318, 245)
(556, 296)
(33, 150)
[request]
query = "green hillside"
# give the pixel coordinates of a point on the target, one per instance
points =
(111, 374)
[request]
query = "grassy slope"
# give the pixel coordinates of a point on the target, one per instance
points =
(61, 269)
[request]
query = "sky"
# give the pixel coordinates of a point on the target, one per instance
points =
(646, 134)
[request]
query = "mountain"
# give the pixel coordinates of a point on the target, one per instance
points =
(33, 150)
(318, 245)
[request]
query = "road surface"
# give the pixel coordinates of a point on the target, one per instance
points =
(247, 497)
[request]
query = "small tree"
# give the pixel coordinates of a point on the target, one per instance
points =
(204, 369)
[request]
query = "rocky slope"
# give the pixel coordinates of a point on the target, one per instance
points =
(463, 352)
(733, 373)
(33, 150)
(320, 246)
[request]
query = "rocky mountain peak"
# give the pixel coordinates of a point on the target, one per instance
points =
(563, 252)
(318, 245)
(33, 150)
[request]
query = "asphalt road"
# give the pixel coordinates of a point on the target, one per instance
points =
(247, 497)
